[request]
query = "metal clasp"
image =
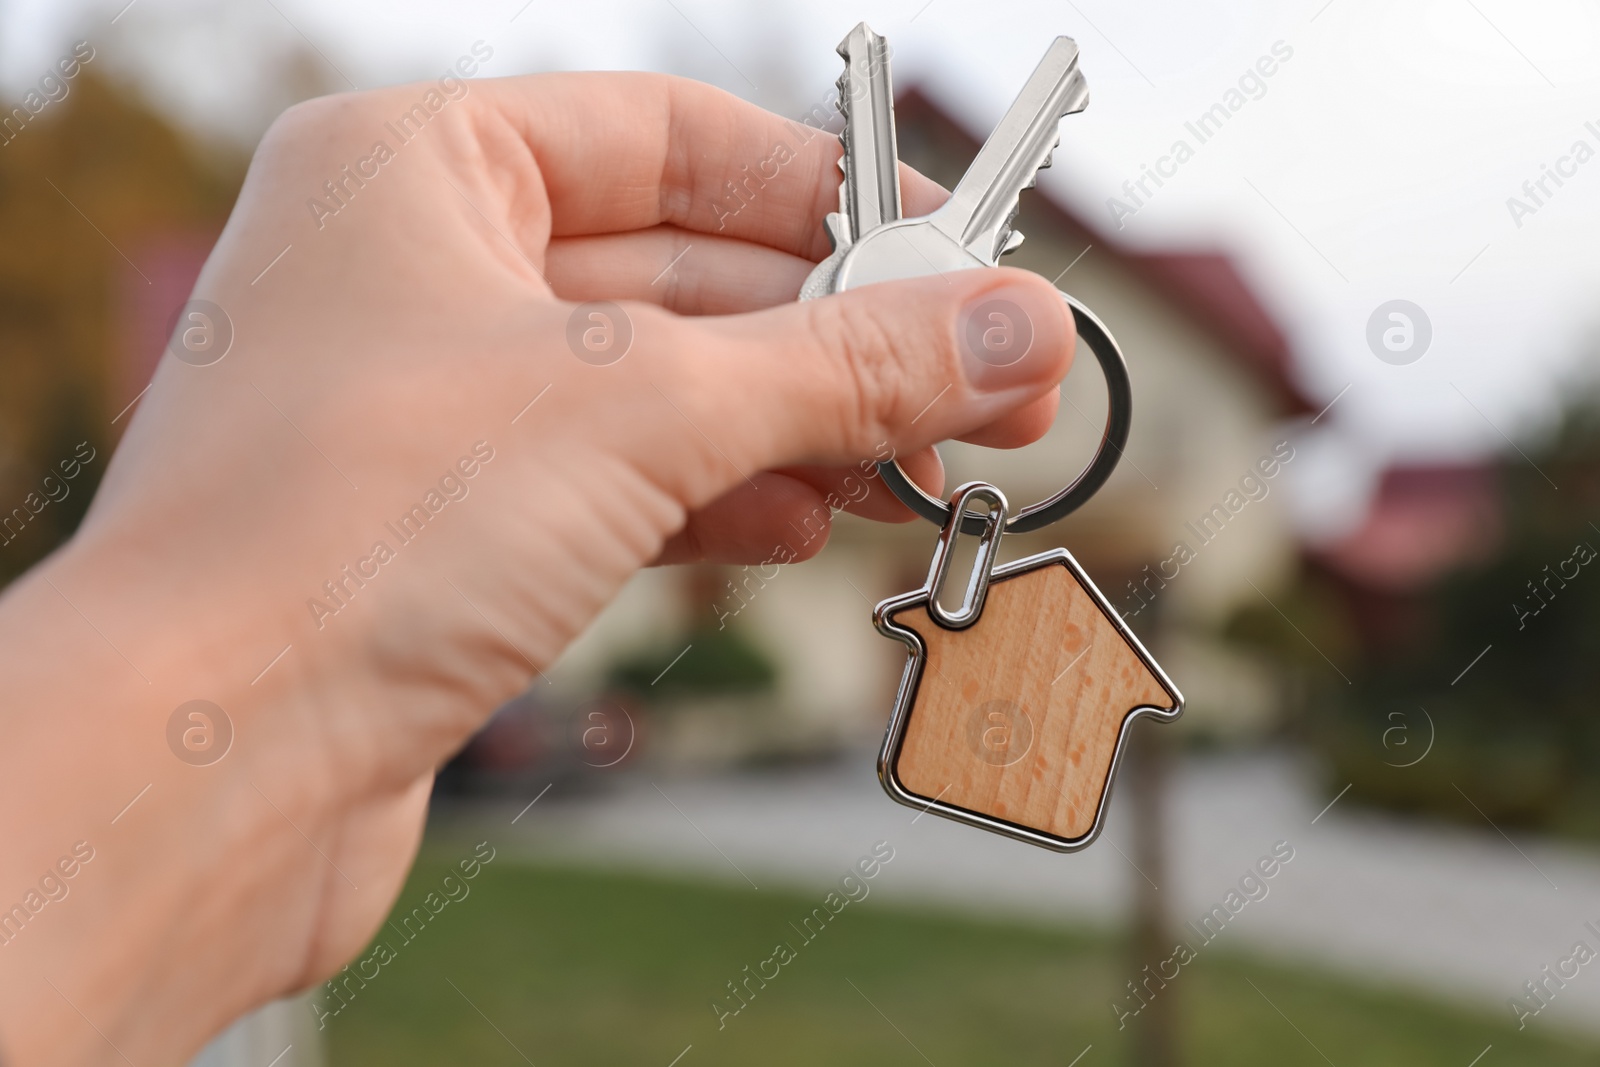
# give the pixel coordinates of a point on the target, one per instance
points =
(988, 549)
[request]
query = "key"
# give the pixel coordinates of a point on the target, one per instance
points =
(1013, 710)
(869, 195)
(973, 228)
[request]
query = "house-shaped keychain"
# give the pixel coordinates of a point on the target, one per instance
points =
(1013, 712)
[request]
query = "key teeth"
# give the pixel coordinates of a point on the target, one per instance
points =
(1050, 156)
(1011, 239)
(837, 225)
(1078, 99)
(843, 85)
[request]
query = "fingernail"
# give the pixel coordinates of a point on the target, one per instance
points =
(1009, 337)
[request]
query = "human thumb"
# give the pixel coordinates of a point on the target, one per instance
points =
(905, 363)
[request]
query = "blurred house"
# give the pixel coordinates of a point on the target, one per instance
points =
(1422, 524)
(1462, 597)
(1214, 392)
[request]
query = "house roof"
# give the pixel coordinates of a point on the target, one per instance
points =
(1204, 284)
(1422, 523)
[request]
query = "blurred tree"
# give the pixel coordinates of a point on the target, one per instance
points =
(1478, 695)
(82, 188)
(709, 657)
(715, 662)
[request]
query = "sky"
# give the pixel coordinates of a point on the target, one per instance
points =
(1376, 163)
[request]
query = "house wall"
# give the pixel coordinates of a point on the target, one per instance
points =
(1201, 422)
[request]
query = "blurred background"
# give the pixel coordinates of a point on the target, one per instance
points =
(1349, 248)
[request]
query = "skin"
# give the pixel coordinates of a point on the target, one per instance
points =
(393, 336)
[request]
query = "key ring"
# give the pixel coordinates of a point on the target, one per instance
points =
(1119, 419)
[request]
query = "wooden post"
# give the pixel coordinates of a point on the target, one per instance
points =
(1156, 1040)
(1156, 1032)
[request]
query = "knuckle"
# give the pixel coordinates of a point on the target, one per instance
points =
(310, 119)
(316, 131)
(341, 121)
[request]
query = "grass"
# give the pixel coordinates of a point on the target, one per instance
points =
(561, 966)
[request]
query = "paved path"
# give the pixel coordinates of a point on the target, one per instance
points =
(1464, 914)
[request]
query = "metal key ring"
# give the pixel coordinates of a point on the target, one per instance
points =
(1119, 419)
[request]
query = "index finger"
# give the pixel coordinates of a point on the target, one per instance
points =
(625, 151)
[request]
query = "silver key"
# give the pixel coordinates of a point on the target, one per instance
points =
(973, 228)
(869, 195)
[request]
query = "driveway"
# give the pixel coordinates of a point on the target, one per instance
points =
(1464, 914)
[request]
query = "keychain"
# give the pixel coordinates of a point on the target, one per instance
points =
(1013, 709)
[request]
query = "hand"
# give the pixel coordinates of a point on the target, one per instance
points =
(383, 368)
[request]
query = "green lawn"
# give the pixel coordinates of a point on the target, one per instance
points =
(579, 967)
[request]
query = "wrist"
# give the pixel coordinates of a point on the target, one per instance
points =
(97, 662)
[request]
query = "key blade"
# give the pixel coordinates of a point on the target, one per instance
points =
(978, 214)
(870, 195)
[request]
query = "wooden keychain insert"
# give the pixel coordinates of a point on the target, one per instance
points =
(1013, 711)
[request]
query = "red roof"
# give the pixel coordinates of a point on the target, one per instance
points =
(1204, 284)
(1422, 523)
(1208, 286)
